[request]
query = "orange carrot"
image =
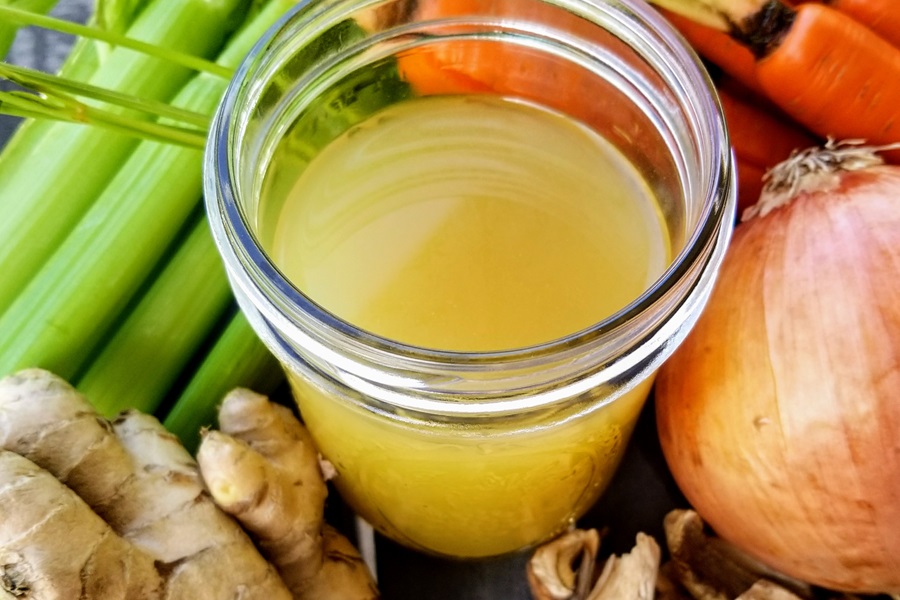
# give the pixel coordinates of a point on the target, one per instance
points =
(481, 65)
(833, 75)
(761, 139)
(881, 16)
(717, 47)
(759, 136)
(750, 184)
(430, 74)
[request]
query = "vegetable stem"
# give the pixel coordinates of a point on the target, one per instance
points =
(24, 17)
(70, 110)
(117, 15)
(80, 65)
(52, 85)
(238, 359)
(66, 168)
(95, 272)
(165, 329)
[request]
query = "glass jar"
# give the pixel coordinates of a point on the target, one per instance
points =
(474, 454)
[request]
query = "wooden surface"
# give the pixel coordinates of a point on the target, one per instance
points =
(637, 499)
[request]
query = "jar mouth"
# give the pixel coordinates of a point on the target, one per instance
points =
(700, 251)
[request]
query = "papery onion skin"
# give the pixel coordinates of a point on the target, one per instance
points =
(779, 416)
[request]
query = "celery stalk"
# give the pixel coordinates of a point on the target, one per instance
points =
(238, 359)
(61, 107)
(24, 17)
(83, 60)
(117, 15)
(67, 90)
(8, 30)
(73, 301)
(139, 364)
(71, 164)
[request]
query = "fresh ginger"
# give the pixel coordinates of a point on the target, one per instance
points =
(263, 469)
(53, 546)
(139, 480)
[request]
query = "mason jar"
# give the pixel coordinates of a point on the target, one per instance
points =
(454, 450)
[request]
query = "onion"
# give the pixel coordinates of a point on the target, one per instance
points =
(779, 416)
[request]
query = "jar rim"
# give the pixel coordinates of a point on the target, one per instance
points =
(235, 237)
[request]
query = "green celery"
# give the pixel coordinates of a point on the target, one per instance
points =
(71, 164)
(83, 60)
(67, 90)
(24, 17)
(66, 108)
(140, 363)
(8, 30)
(238, 359)
(117, 15)
(74, 300)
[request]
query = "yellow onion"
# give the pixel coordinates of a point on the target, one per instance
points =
(779, 416)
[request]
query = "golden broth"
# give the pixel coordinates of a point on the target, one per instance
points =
(468, 223)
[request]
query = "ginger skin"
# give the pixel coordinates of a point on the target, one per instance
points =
(141, 482)
(263, 469)
(53, 546)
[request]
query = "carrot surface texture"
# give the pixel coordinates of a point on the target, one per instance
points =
(827, 71)
(881, 16)
(761, 140)
(718, 48)
(478, 65)
(835, 76)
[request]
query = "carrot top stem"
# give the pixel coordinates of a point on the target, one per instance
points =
(763, 30)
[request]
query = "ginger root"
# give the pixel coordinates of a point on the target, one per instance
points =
(137, 479)
(53, 546)
(263, 469)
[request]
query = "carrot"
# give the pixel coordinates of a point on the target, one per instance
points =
(761, 139)
(430, 74)
(881, 16)
(834, 75)
(824, 69)
(483, 65)
(750, 184)
(758, 136)
(445, 68)
(717, 47)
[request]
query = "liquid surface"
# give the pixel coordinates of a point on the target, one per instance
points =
(470, 223)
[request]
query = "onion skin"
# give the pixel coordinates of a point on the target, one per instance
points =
(779, 416)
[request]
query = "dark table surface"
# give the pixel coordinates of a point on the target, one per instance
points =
(637, 499)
